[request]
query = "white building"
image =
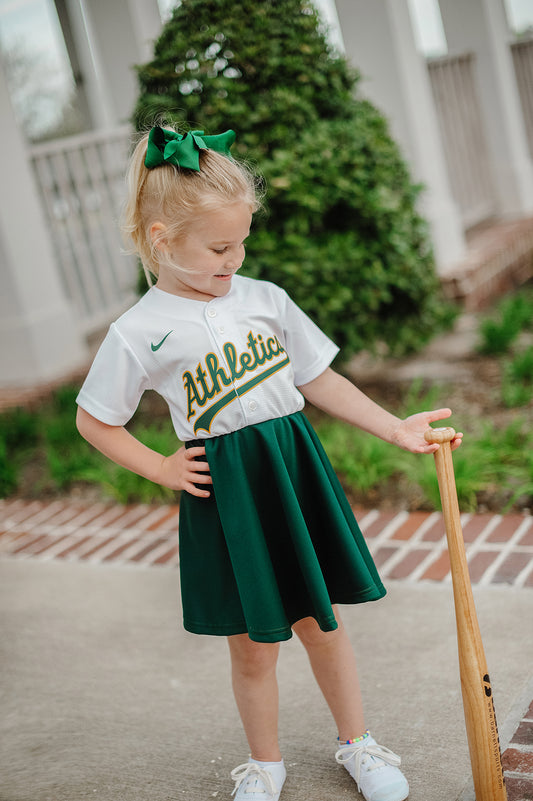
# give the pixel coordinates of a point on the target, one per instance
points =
(464, 123)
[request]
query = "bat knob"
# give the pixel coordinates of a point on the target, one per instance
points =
(439, 435)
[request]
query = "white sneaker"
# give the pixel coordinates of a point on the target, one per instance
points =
(256, 781)
(375, 770)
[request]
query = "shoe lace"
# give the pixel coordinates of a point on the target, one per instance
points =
(371, 757)
(253, 773)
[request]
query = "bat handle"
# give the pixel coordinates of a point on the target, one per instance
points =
(446, 478)
(448, 493)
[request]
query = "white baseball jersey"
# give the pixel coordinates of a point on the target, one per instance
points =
(220, 365)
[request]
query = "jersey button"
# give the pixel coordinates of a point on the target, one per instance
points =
(211, 312)
(221, 329)
(252, 405)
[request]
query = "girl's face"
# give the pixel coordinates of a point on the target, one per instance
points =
(209, 254)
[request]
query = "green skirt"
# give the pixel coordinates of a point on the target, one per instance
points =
(278, 541)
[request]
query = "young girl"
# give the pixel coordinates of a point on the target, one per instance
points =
(268, 542)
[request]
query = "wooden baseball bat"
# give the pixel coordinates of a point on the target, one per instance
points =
(478, 703)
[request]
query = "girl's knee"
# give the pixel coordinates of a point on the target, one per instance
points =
(252, 658)
(311, 635)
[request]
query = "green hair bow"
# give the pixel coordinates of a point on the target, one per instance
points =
(182, 150)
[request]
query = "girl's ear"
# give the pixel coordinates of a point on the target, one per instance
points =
(158, 236)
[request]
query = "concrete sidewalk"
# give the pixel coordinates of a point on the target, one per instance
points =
(106, 697)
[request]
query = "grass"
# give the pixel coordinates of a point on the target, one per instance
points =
(502, 335)
(126, 487)
(496, 466)
(42, 454)
(47, 445)
(501, 329)
(517, 383)
(18, 439)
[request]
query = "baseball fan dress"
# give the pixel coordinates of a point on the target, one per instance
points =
(277, 540)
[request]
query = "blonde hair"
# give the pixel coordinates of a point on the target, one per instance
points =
(172, 196)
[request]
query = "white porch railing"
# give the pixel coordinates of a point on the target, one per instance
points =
(454, 90)
(81, 180)
(455, 93)
(523, 63)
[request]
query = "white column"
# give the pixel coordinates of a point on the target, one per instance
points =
(39, 340)
(480, 26)
(110, 39)
(96, 89)
(146, 23)
(379, 41)
(82, 100)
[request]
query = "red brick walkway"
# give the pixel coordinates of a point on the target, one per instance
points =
(405, 546)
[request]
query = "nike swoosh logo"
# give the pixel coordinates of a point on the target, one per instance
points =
(156, 347)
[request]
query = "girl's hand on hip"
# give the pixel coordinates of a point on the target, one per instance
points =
(183, 469)
(409, 435)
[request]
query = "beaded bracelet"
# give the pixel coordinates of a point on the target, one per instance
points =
(357, 739)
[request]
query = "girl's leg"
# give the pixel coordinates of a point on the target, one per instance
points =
(333, 663)
(255, 688)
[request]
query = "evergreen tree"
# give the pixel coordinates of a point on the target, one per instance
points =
(340, 231)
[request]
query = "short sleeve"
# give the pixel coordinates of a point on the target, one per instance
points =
(114, 385)
(309, 349)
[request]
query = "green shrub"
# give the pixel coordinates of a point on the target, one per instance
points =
(341, 232)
